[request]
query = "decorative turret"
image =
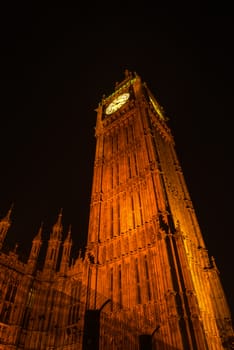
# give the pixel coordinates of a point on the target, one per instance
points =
(35, 250)
(57, 228)
(67, 245)
(54, 243)
(5, 223)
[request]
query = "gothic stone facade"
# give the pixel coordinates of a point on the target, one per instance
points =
(145, 280)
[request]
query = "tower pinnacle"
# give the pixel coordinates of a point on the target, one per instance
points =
(5, 224)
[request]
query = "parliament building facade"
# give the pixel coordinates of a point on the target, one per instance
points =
(145, 280)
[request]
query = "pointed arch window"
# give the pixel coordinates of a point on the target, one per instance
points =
(138, 287)
(120, 285)
(147, 278)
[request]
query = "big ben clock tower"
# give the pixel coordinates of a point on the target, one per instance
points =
(149, 265)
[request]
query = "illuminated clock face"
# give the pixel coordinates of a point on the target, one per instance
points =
(117, 103)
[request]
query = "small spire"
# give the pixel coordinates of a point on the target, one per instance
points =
(59, 221)
(68, 238)
(38, 236)
(7, 217)
(5, 223)
(57, 228)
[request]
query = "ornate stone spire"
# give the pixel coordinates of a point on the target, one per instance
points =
(5, 224)
(35, 249)
(67, 245)
(58, 227)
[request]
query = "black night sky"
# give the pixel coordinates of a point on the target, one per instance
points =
(56, 63)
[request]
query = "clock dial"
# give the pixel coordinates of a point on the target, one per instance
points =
(117, 103)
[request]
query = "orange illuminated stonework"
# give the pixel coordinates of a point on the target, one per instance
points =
(145, 280)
